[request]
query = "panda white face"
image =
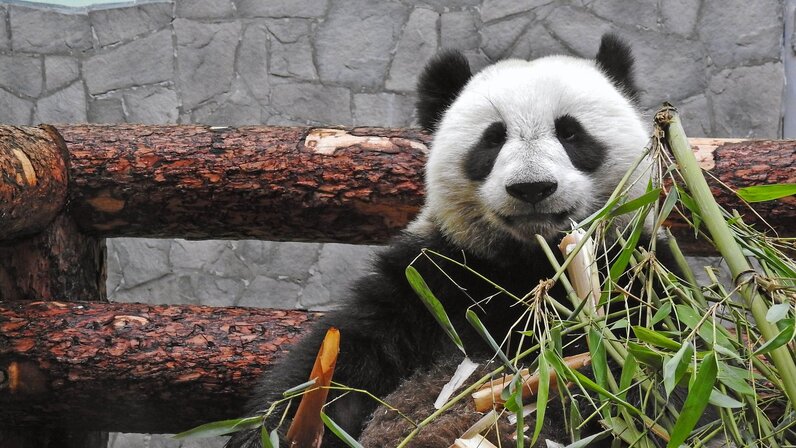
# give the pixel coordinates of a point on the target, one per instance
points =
(526, 146)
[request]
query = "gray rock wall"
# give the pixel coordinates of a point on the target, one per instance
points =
(347, 62)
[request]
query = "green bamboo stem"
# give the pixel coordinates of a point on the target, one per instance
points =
(719, 230)
(679, 258)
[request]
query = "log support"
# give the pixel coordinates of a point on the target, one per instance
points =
(135, 367)
(43, 256)
(58, 263)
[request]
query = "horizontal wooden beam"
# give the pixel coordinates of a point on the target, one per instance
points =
(274, 183)
(359, 185)
(134, 367)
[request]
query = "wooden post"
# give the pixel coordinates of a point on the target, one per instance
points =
(43, 255)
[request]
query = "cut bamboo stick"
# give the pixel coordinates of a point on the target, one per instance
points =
(489, 395)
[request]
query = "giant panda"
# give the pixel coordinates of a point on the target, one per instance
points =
(521, 148)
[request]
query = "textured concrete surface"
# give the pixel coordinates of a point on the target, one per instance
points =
(348, 62)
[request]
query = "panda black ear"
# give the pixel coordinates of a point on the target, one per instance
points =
(440, 83)
(616, 60)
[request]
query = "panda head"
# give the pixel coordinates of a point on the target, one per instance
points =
(522, 147)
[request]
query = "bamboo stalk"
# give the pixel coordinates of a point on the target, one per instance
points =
(490, 393)
(668, 120)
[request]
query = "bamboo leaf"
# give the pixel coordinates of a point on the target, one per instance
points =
(724, 401)
(645, 355)
(618, 268)
(707, 330)
(662, 313)
(718, 348)
(637, 203)
(668, 205)
(599, 360)
(300, 388)
(695, 402)
(575, 419)
(481, 329)
(735, 378)
(433, 305)
(620, 324)
(512, 395)
(675, 368)
(777, 312)
(541, 395)
(628, 372)
(782, 338)
(555, 337)
(339, 432)
(269, 440)
(584, 442)
(761, 193)
(221, 428)
(655, 338)
(692, 206)
(599, 213)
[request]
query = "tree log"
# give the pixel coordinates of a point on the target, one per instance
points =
(33, 181)
(134, 367)
(308, 184)
(743, 163)
(58, 263)
(275, 183)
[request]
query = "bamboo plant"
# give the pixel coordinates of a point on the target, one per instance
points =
(651, 332)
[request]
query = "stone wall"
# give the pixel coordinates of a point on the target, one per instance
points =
(346, 62)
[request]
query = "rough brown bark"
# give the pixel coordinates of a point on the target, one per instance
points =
(302, 184)
(135, 367)
(741, 163)
(58, 263)
(33, 179)
(360, 185)
(277, 183)
(42, 255)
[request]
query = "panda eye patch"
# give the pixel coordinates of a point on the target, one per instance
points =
(585, 152)
(481, 156)
(568, 128)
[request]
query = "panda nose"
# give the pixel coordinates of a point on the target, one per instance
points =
(532, 192)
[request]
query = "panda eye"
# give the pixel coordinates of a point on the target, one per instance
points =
(568, 129)
(494, 135)
(481, 156)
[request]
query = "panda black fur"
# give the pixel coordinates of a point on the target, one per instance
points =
(518, 149)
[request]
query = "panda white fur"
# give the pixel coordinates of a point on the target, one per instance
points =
(518, 149)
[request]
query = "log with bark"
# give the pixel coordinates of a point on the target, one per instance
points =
(358, 185)
(275, 183)
(737, 163)
(33, 179)
(134, 367)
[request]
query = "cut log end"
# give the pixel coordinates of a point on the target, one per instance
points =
(34, 183)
